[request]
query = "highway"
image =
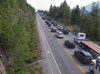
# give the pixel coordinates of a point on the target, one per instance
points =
(61, 59)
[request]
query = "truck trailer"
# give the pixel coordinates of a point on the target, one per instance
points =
(89, 45)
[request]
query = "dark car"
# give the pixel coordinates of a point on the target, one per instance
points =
(43, 17)
(52, 21)
(49, 24)
(65, 31)
(83, 56)
(55, 24)
(49, 19)
(70, 44)
(46, 21)
(54, 29)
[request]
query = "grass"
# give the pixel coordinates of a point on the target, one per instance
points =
(37, 66)
(38, 51)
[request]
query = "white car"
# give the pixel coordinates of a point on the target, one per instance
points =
(59, 34)
(60, 28)
(51, 27)
(57, 26)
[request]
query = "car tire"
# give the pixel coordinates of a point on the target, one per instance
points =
(91, 72)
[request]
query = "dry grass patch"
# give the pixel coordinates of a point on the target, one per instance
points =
(37, 68)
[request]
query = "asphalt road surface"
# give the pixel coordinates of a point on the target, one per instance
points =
(61, 59)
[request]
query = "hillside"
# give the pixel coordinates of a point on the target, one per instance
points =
(18, 37)
(88, 7)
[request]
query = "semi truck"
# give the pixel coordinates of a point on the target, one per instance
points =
(88, 45)
(94, 66)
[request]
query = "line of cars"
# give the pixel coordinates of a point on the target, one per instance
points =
(58, 30)
(83, 56)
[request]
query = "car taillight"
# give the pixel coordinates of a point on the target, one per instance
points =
(69, 44)
(85, 58)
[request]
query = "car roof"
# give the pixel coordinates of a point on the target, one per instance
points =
(59, 32)
(54, 27)
(60, 26)
(86, 53)
(71, 41)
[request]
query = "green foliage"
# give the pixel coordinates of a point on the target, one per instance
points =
(62, 13)
(17, 35)
(76, 28)
(65, 12)
(75, 16)
(88, 22)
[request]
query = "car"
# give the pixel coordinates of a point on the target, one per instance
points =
(54, 29)
(43, 17)
(52, 21)
(60, 27)
(78, 40)
(57, 26)
(83, 56)
(51, 27)
(49, 24)
(59, 34)
(46, 21)
(55, 23)
(65, 31)
(70, 44)
(49, 19)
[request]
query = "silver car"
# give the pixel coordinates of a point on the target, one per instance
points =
(78, 40)
(59, 34)
(51, 27)
(60, 27)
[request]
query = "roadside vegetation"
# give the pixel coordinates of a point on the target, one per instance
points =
(88, 22)
(19, 37)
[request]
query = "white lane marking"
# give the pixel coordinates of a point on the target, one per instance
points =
(51, 51)
(43, 45)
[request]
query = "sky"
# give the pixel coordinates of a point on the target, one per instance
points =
(45, 4)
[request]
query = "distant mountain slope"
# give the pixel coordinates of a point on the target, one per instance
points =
(88, 7)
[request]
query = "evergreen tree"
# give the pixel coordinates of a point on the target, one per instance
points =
(95, 19)
(75, 18)
(50, 10)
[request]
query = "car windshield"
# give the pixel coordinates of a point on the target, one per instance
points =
(71, 42)
(60, 33)
(54, 28)
(82, 35)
